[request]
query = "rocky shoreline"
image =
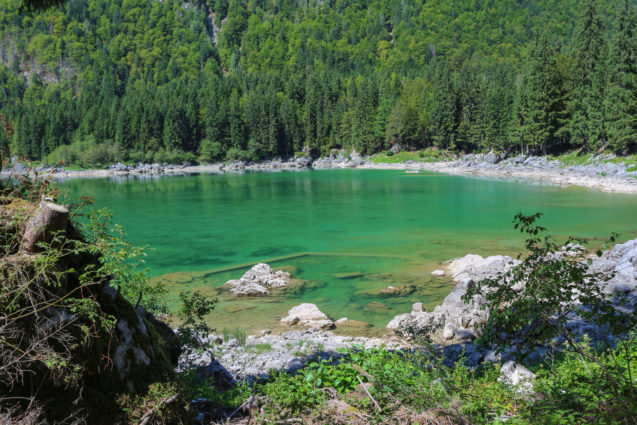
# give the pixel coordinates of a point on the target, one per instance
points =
(453, 324)
(598, 173)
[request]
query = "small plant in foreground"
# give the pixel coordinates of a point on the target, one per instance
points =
(194, 308)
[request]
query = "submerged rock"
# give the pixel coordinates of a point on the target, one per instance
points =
(398, 290)
(257, 280)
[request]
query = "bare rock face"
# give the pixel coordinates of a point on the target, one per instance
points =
(309, 316)
(256, 281)
(476, 267)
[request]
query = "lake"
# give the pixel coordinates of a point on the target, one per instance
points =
(345, 233)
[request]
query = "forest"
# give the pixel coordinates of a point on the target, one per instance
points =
(100, 81)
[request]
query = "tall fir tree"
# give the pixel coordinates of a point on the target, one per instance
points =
(586, 106)
(544, 123)
(621, 98)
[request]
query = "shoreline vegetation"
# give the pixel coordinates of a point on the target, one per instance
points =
(599, 172)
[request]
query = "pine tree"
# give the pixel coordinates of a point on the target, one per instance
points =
(586, 124)
(621, 99)
(543, 124)
(518, 125)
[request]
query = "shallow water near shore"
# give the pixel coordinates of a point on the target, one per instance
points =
(345, 234)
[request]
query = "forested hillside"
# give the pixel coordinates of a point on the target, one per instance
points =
(98, 81)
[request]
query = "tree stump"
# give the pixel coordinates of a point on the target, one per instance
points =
(48, 220)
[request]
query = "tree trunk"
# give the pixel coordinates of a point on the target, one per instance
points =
(48, 220)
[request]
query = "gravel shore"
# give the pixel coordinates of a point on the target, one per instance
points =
(598, 173)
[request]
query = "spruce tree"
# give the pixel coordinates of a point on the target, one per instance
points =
(621, 99)
(586, 124)
(545, 99)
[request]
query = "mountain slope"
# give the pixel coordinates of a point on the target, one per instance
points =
(104, 80)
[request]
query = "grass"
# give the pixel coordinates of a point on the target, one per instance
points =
(426, 155)
(262, 348)
(235, 333)
(574, 158)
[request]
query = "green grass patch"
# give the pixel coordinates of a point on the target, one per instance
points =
(235, 333)
(577, 158)
(426, 155)
(261, 348)
(572, 158)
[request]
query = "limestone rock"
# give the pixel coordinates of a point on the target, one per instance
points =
(309, 316)
(476, 267)
(517, 376)
(492, 157)
(243, 288)
(257, 280)
(417, 308)
(352, 323)
(438, 273)
(449, 331)
(398, 290)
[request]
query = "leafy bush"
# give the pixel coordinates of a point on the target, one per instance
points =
(531, 305)
(210, 151)
(234, 154)
(87, 153)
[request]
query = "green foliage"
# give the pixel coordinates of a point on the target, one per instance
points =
(414, 380)
(86, 153)
(235, 333)
(120, 261)
(621, 98)
(530, 307)
(196, 388)
(193, 328)
(143, 81)
(586, 125)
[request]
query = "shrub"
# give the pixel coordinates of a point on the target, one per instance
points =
(234, 154)
(531, 305)
(210, 151)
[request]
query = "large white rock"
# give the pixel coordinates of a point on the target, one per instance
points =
(309, 316)
(476, 267)
(438, 273)
(257, 280)
(243, 288)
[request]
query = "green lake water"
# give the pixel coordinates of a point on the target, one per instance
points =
(345, 234)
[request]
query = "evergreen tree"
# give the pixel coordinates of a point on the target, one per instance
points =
(621, 99)
(586, 124)
(545, 111)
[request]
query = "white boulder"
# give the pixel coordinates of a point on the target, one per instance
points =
(257, 280)
(309, 316)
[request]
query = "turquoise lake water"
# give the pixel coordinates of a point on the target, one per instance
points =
(345, 233)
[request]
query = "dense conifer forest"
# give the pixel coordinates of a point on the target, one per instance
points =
(100, 81)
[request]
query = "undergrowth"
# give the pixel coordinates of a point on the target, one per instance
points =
(425, 155)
